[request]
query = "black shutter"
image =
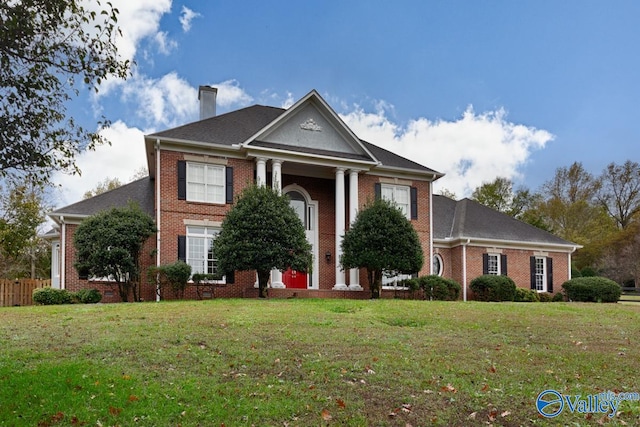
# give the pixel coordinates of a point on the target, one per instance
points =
(503, 264)
(229, 184)
(533, 272)
(414, 203)
(377, 190)
(182, 180)
(182, 248)
(485, 263)
(549, 274)
(230, 277)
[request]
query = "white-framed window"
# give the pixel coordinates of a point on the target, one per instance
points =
(493, 264)
(541, 274)
(200, 254)
(395, 282)
(438, 265)
(400, 194)
(205, 183)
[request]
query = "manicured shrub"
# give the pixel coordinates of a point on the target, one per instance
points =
(526, 295)
(545, 297)
(592, 289)
(439, 288)
(88, 296)
(490, 287)
(175, 276)
(557, 297)
(51, 296)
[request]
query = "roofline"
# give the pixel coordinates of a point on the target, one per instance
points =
(297, 157)
(394, 170)
(513, 244)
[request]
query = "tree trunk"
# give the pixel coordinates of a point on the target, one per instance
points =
(263, 279)
(375, 283)
(123, 290)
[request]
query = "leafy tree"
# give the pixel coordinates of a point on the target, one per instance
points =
(448, 193)
(22, 252)
(620, 191)
(102, 187)
(381, 239)
(500, 195)
(109, 244)
(621, 256)
(262, 232)
(49, 50)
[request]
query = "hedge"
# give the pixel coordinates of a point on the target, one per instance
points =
(439, 288)
(592, 289)
(490, 287)
(52, 296)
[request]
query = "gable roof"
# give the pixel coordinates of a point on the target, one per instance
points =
(140, 191)
(468, 219)
(245, 126)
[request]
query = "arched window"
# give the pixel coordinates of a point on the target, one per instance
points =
(437, 265)
(299, 204)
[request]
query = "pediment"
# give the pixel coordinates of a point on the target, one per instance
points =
(312, 126)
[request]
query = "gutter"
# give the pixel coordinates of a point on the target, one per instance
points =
(157, 149)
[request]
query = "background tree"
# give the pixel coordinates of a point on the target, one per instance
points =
(381, 239)
(48, 51)
(107, 184)
(109, 244)
(619, 192)
(22, 251)
(501, 196)
(262, 232)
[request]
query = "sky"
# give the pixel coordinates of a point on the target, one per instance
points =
(474, 89)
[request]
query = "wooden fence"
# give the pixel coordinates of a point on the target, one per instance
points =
(19, 291)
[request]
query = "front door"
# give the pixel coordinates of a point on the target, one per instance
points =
(306, 213)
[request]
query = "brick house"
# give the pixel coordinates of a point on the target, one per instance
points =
(308, 153)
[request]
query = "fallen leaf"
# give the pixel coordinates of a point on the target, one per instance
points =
(449, 388)
(485, 387)
(492, 369)
(326, 415)
(492, 415)
(340, 403)
(126, 377)
(505, 414)
(133, 398)
(472, 416)
(114, 411)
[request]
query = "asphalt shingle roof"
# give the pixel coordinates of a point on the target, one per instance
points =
(140, 191)
(469, 219)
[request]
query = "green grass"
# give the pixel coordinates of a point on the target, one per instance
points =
(312, 362)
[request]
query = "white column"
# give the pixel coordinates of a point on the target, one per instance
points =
(340, 207)
(354, 273)
(261, 171)
(276, 184)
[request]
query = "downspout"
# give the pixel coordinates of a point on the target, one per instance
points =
(464, 270)
(431, 226)
(157, 146)
(569, 261)
(63, 253)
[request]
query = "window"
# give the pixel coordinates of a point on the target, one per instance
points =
(200, 250)
(437, 265)
(398, 194)
(205, 183)
(395, 282)
(493, 266)
(540, 275)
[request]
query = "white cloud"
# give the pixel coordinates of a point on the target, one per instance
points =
(165, 44)
(474, 149)
(231, 95)
(120, 160)
(186, 16)
(162, 103)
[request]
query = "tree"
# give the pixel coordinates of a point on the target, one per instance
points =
(49, 50)
(500, 195)
(262, 232)
(620, 191)
(109, 244)
(102, 187)
(21, 213)
(382, 240)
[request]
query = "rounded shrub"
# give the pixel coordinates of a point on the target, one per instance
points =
(592, 289)
(526, 295)
(439, 288)
(51, 296)
(490, 287)
(557, 297)
(88, 296)
(545, 296)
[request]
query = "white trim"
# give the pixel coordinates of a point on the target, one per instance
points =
(431, 224)
(507, 244)
(63, 254)
(158, 217)
(203, 158)
(202, 223)
(340, 226)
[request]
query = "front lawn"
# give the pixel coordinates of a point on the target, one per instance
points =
(313, 362)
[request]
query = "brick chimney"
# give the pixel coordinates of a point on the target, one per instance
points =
(207, 97)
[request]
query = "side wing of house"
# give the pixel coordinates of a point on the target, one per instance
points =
(471, 240)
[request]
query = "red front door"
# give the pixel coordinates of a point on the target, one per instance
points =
(294, 279)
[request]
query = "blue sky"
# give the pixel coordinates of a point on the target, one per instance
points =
(475, 89)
